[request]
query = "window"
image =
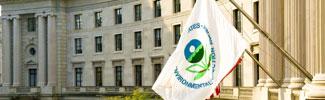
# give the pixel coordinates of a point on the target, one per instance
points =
(177, 6)
(118, 76)
(237, 20)
(118, 42)
(78, 79)
(157, 70)
(98, 19)
(99, 81)
(77, 21)
(78, 45)
(157, 8)
(31, 24)
(177, 33)
(137, 38)
(138, 75)
(157, 37)
(257, 71)
(98, 44)
(238, 75)
(137, 12)
(256, 7)
(32, 51)
(32, 77)
(118, 16)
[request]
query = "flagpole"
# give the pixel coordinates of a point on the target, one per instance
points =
(262, 67)
(284, 52)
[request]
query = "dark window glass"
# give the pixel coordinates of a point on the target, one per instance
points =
(137, 12)
(157, 71)
(157, 37)
(238, 75)
(32, 77)
(78, 79)
(157, 8)
(138, 75)
(118, 76)
(177, 6)
(78, 46)
(98, 43)
(138, 41)
(118, 16)
(77, 21)
(32, 51)
(256, 10)
(99, 73)
(177, 33)
(31, 24)
(118, 42)
(98, 19)
(194, 1)
(237, 20)
(257, 69)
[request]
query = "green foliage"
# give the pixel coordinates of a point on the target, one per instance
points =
(137, 94)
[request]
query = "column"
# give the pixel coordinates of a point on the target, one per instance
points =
(41, 50)
(315, 50)
(17, 51)
(263, 44)
(275, 26)
(295, 27)
(52, 51)
(6, 72)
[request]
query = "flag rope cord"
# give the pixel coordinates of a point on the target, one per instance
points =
(263, 67)
(284, 52)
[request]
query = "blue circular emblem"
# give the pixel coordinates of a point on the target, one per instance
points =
(195, 55)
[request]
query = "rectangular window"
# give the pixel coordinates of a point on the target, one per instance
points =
(78, 79)
(238, 75)
(157, 8)
(157, 37)
(118, 76)
(177, 6)
(138, 75)
(77, 21)
(177, 33)
(237, 20)
(137, 12)
(78, 45)
(256, 10)
(99, 77)
(257, 77)
(31, 24)
(157, 71)
(118, 16)
(98, 44)
(98, 19)
(138, 41)
(32, 77)
(118, 42)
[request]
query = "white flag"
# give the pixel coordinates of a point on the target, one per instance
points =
(207, 51)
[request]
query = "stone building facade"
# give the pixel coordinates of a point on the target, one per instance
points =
(86, 49)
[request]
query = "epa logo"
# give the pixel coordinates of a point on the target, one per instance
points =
(198, 70)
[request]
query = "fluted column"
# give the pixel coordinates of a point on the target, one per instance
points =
(274, 25)
(6, 72)
(315, 54)
(41, 50)
(295, 41)
(263, 45)
(17, 51)
(52, 51)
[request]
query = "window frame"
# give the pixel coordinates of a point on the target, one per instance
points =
(138, 40)
(78, 77)
(32, 77)
(31, 24)
(78, 45)
(118, 76)
(177, 33)
(237, 20)
(138, 75)
(98, 19)
(98, 44)
(118, 39)
(118, 15)
(77, 21)
(157, 40)
(98, 76)
(137, 12)
(177, 6)
(157, 8)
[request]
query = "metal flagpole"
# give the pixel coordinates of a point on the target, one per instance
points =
(284, 52)
(262, 67)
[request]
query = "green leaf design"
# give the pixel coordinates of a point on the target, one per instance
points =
(195, 68)
(199, 75)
